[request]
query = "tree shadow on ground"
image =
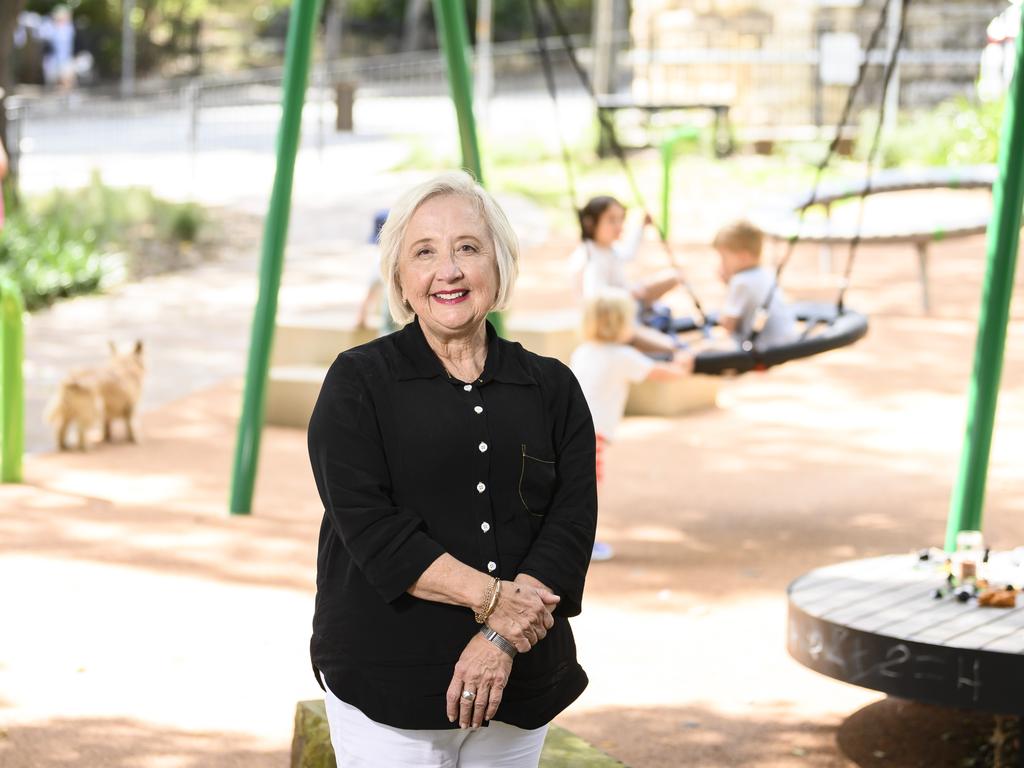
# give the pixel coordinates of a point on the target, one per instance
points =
(125, 743)
(895, 733)
(664, 737)
(892, 733)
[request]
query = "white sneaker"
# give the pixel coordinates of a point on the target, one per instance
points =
(601, 551)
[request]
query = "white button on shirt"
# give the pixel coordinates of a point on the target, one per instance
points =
(468, 387)
(485, 527)
(478, 408)
(480, 487)
(491, 566)
(483, 447)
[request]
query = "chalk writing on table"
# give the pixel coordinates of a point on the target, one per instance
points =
(880, 662)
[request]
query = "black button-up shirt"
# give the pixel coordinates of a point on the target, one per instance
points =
(409, 463)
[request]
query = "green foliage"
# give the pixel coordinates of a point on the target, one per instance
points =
(73, 242)
(181, 223)
(46, 261)
(956, 132)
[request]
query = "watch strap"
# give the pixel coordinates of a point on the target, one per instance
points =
(498, 640)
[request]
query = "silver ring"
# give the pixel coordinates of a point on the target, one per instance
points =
(468, 695)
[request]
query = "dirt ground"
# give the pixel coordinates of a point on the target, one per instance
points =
(143, 627)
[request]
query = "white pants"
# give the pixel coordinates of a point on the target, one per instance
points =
(359, 742)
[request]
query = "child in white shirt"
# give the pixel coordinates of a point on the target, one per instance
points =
(749, 287)
(599, 262)
(605, 365)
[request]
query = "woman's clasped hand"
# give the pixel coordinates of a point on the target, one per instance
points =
(523, 616)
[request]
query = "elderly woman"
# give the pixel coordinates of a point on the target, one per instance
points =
(457, 473)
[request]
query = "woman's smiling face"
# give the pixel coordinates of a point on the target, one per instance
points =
(447, 268)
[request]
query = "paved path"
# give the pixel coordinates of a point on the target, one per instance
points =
(196, 323)
(152, 630)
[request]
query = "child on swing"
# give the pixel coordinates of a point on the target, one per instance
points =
(605, 364)
(599, 263)
(749, 287)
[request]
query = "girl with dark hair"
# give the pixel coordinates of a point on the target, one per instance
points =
(599, 263)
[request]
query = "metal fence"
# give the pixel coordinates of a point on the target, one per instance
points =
(770, 73)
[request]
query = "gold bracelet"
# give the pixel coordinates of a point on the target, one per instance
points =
(491, 598)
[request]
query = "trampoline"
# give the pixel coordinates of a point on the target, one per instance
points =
(786, 222)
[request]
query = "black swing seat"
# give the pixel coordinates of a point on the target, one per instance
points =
(825, 328)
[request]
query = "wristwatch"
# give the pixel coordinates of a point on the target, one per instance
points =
(498, 640)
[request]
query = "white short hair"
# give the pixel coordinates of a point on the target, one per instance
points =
(460, 184)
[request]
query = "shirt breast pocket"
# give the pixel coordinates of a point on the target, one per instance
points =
(537, 478)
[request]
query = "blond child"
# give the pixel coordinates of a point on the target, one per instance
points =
(605, 364)
(750, 285)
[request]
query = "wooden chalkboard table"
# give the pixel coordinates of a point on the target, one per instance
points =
(876, 623)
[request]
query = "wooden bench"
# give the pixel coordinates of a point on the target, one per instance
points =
(723, 142)
(311, 744)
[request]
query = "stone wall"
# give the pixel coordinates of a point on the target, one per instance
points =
(761, 56)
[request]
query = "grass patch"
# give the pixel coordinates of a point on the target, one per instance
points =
(71, 242)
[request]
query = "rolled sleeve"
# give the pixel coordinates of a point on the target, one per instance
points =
(388, 543)
(560, 554)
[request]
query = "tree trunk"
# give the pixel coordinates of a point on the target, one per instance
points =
(9, 11)
(412, 29)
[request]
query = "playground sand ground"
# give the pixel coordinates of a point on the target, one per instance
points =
(143, 627)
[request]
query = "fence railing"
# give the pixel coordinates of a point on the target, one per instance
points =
(774, 84)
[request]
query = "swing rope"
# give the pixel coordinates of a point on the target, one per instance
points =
(869, 164)
(549, 80)
(607, 130)
(833, 146)
(872, 155)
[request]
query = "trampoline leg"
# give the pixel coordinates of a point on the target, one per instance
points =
(825, 252)
(825, 259)
(922, 265)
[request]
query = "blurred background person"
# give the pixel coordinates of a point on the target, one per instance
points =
(58, 38)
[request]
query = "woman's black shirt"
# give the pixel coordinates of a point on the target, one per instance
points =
(409, 463)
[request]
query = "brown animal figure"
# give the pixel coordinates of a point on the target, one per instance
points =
(104, 394)
(77, 402)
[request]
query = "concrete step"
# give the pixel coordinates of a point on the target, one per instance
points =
(311, 744)
(673, 398)
(551, 334)
(292, 391)
(304, 349)
(314, 341)
(319, 340)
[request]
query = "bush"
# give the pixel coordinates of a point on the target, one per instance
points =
(47, 263)
(957, 132)
(74, 242)
(182, 223)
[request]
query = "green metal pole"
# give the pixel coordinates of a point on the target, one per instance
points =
(453, 32)
(668, 156)
(966, 504)
(275, 232)
(666, 182)
(454, 37)
(12, 382)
